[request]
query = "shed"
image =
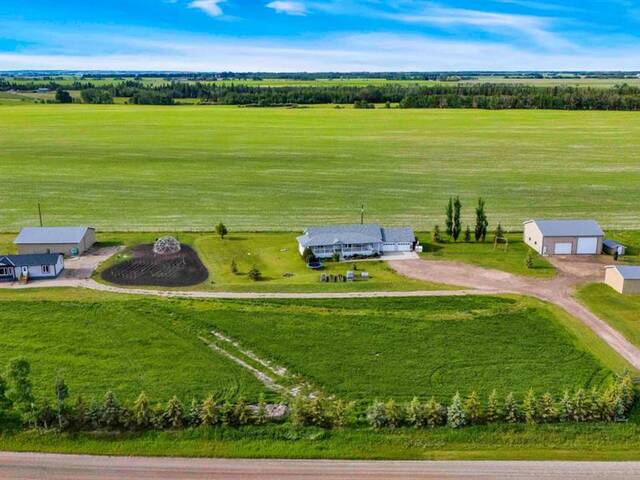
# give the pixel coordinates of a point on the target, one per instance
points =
(564, 237)
(31, 266)
(611, 247)
(70, 241)
(623, 278)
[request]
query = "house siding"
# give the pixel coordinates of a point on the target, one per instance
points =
(65, 248)
(615, 280)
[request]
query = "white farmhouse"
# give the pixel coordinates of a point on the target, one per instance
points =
(356, 240)
(31, 266)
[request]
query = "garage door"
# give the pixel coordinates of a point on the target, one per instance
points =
(562, 249)
(588, 245)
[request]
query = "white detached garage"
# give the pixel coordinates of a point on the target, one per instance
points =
(564, 237)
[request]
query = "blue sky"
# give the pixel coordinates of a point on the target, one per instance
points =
(320, 35)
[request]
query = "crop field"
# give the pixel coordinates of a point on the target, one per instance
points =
(102, 342)
(379, 348)
(359, 349)
(188, 167)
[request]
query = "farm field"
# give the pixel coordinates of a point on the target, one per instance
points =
(380, 348)
(125, 344)
(275, 255)
(189, 167)
(358, 349)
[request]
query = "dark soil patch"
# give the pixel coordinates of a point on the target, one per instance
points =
(180, 269)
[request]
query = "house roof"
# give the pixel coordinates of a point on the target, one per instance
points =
(398, 235)
(568, 228)
(60, 235)
(30, 260)
(331, 235)
(628, 272)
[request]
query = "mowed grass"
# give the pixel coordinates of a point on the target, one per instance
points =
(131, 167)
(276, 255)
(622, 312)
(104, 342)
(507, 257)
(379, 348)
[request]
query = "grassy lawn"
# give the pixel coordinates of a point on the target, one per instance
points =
(126, 167)
(368, 348)
(504, 442)
(622, 312)
(509, 258)
(276, 256)
(100, 342)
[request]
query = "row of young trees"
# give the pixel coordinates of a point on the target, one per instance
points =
(18, 406)
(611, 404)
(453, 222)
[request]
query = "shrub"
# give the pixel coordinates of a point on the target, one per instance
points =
(436, 236)
(473, 409)
(209, 412)
(530, 407)
(234, 266)
(528, 260)
(142, 413)
(174, 413)
(393, 414)
(546, 409)
(376, 415)
(255, 274)
(511, 411)
(493, 413)
(416, 413)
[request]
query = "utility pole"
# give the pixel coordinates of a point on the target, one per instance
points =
(362, 215)
(40, 213)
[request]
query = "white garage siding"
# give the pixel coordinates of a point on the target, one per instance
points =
(587, 246)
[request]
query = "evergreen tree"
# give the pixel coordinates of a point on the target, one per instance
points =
(499, 231)
(62, 393)
(340, 413)
(255, 274)
(480, 232)
(511, 410)
(565, 409)
(528, 260)
(226, 413)
(456, 417)
(594, 405)
(457, 223)
(234, 266)
(193, 416)
(376, 415)
(546, 409)
(449, 221)
(493, 413)
(393, 414)
(434, 413)
(142, 414)
(467, 234)
(174, 413)
(530, 407)
(242, 412)
(437, 236)
(580, 411)
(209, 412)
(416, 413)
(626, 389)
(110, 411)
(473, 409)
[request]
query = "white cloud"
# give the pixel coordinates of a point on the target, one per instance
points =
(165, 50)
(288, 7)
(210, 7)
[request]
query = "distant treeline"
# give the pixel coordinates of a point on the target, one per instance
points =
(485, 96)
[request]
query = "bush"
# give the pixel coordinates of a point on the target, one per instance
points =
(255, 274)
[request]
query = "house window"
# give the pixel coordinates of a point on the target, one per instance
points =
(45, 268)
(4, 271)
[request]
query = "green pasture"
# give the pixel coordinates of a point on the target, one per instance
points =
(187, 167)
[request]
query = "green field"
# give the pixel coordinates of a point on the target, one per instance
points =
(399, 348)
(358, 348)
(139, 168)
(121, 343)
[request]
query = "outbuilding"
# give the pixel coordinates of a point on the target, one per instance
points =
(564, 237)
(623, 278)
(70, 241)
(30, 266)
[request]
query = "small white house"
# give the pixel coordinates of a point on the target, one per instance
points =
(356, 240)
(564, 237)
(31, 266)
